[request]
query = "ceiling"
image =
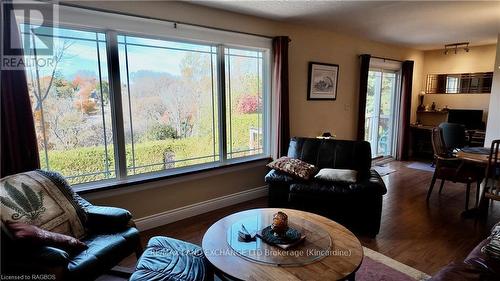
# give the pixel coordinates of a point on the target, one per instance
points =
(419, 24)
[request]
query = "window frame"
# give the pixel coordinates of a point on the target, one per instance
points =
(77, 19)
(384, 66)
(266, 97)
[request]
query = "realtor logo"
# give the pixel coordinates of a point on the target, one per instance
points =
(27, 27)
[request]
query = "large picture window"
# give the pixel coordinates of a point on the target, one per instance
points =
(180, 103)
(169, 104)
(71, 104)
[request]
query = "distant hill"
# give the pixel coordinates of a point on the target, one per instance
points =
(134, 75)
(82, 73)
(149, 74)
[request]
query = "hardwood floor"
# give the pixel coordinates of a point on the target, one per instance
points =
(424, 236)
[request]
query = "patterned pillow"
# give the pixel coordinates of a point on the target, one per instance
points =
(34, 236)
(43, 200)
(492, 248)
(294, 167)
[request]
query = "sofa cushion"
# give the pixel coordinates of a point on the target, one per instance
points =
(320, 188)
(104, 252)
(275, 176)
(44, 200)
(34, 236)
(331, 153)
(371, 185)
(339, 175)
(171, 259)
(294, 167)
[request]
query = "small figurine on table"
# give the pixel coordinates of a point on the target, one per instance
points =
(280, 224)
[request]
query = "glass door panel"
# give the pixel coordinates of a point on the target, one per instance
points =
(386, 114)
(372, 105)
(380, 111)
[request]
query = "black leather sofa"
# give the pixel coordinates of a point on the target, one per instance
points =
(357, 206)
(111, 237)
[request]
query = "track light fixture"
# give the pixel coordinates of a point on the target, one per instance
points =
(455, 47)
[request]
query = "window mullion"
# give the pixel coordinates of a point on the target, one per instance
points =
(266, 104)
(221, 91)
(98, 47)
(116, 104)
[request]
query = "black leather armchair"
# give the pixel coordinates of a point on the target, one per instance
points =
(357, 206)
(111, 236)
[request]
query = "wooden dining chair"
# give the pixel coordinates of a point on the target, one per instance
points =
(454, 135)
(492, 180)
(451, 168)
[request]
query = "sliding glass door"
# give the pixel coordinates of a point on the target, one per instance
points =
(381, 110)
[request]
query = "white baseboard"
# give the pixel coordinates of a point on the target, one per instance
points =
(170, 216)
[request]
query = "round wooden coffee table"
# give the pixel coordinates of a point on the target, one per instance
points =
(340, 262)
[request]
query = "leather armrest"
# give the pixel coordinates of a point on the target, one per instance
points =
(275, 176)
(373, 183)
(103, 219)
(51, 256)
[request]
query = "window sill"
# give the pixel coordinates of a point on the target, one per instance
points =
(112, 185)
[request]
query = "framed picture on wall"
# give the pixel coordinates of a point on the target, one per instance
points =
(323, 79)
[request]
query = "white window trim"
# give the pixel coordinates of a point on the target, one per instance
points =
(98, 20)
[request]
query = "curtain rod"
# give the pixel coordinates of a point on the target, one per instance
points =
(382, 58)
(160, 19)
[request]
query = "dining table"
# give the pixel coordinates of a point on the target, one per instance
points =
(478, 157)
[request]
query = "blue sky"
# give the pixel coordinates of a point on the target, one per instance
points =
(81, 56)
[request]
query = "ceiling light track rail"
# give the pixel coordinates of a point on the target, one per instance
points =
(455, 47)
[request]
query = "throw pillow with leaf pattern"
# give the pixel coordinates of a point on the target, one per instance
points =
(41, 199)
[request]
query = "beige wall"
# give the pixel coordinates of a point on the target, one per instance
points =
(308, 118)
(493, 127)
(479, 59)
(167, 195)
